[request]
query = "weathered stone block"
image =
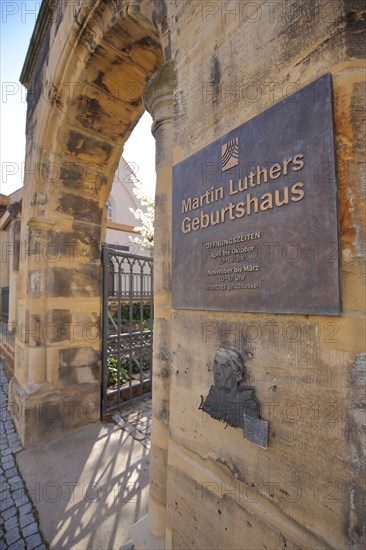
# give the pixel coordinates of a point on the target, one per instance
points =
(82, 281)
(78, 176)
(213, 510)
(80, 208)
(78, 357)
(78, 366)
(84, 147)
(45, 415)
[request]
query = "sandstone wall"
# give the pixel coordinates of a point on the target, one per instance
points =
(7, 341)
(232, 61)
(87, 65)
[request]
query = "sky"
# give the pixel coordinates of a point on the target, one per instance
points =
(16, 26)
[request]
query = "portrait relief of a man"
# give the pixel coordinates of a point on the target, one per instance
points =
(227, 400)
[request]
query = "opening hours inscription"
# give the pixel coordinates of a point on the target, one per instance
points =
(255, 221)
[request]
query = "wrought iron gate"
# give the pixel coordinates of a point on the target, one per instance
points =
(127, 328)
(5, 304)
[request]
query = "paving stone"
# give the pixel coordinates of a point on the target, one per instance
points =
(30, 529)
(16, 482)
(26, 520)
(9, 513)
(12, 536)
(11, 431)
(11, 523)
(25, 509)
(17, 520)
(12, 472)
(6, 504)
(136, 421)
(4, 493)
(6, 460)
(6, 451)
(3, 481)
(21, 501)
(8, 467)
(19, 545)
(19, 494)
(33, 541)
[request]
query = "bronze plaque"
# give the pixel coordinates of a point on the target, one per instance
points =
(255, 221)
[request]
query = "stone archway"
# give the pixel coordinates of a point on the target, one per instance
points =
(222, 52)
(85, 73)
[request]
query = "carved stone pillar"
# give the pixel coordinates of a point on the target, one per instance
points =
(14, 271)
(158, 100)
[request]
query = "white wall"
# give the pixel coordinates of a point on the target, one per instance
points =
(122, 199)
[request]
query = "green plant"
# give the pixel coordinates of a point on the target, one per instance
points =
(146, 325)
(113, 370)
(141, 363)
(136, 314)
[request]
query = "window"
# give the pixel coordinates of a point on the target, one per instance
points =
(109, 211)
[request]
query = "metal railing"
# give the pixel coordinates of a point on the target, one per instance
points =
(127, 328)
(5, 304)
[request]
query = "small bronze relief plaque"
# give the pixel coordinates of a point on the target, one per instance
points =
(255, 220)
(232, 402)
(256, 430)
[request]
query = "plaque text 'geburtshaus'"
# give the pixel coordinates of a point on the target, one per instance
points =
(248, 204)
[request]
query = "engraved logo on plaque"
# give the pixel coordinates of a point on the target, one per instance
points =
(230, 154)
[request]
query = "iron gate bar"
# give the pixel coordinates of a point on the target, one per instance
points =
(105, 263)
(130, 319)
(134, 287)
(5, 304)
(119, 316)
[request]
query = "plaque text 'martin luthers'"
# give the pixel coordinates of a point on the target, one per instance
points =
(247, 204)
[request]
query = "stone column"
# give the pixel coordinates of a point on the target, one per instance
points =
(158, 100)
(56, 383)
(14, 273)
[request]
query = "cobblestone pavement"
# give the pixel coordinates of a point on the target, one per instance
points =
(135, 419)
(19, 527)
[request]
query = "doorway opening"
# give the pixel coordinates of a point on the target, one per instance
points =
(127, 315)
